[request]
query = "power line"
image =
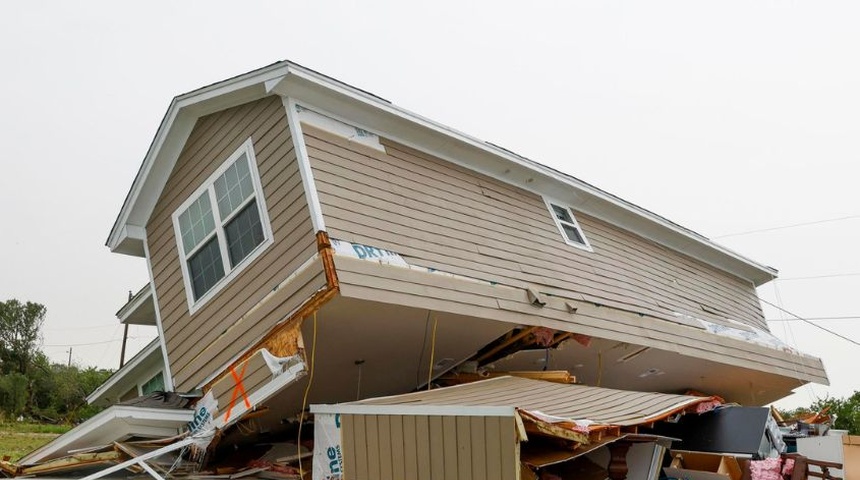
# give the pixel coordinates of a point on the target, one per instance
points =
(843, 337)
(812, 277)
(91, 343)
(91, 327)
(770, 229)
(811, 318)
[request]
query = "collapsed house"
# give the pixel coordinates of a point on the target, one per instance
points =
(310, 243)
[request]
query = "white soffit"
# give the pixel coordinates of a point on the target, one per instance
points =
(378, 116)
(116, 423)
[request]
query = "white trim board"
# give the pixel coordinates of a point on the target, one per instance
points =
(168, 375)
(310, 187)
(126, 369)
(116, 423)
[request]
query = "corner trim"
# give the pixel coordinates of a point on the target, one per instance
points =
(168, 375)
(302, 158)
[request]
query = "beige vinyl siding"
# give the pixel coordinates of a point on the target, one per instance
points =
(445, 217)
(256, 374)
(429, 447)
(387, 284)
(198, 344)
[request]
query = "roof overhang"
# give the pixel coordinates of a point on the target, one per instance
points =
(116, 423)
(380, 116)
(140, 309)
(129, 375)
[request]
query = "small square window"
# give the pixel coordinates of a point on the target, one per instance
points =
(567, 225)
(154, 384)
(222, 227)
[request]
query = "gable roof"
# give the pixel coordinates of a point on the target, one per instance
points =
(378, 115)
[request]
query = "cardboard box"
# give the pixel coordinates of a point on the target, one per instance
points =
(703, 466)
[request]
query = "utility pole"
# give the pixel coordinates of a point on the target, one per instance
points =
(70, 356)
(124, 337)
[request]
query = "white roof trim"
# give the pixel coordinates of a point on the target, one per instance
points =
(147, 418)
(142, 296)
(149, 350)
(379, 116)
(434, 410)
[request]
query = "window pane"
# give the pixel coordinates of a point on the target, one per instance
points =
(205, 268)
(234, 187)
(196, 222)
(244, 233)
(562, 214)
(572, 233)
(155, 384)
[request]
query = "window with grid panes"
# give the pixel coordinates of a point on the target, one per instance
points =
(222, 227)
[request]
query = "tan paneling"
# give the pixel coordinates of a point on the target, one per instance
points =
(371, 281)
(199, 344)
(382, 447)
(253, 325)
(253, 374)
(446, 217)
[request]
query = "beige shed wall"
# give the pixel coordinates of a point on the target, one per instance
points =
(424, 447)
(199, 344)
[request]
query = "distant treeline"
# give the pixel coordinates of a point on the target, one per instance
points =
(31, 387)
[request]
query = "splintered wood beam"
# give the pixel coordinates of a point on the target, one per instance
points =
(560, 338)
(508, 342)
(327, 256)
(537, 427)
(562, 430)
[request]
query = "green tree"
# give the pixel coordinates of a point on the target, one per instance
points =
(20, 334)
(845, 410)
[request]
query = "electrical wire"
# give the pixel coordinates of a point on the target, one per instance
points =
(812, 318)
(307, 390)
(91, 343)
(816, 277)
(783, 227)
(423, 349)
(432, 352)
(798, 317)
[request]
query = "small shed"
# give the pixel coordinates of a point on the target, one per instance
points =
(500, 428)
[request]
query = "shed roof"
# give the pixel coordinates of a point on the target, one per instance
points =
(563, 401)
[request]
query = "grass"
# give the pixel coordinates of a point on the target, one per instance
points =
(20, 438)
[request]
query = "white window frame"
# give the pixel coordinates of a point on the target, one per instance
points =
(246, 148)
(560, 224)
(140, 385)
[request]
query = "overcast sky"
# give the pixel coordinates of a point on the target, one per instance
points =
(726, 117)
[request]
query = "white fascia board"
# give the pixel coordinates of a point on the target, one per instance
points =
(399, 409)
(375, 115)
(141, 297)
(124, 372)
(113, 418)
(170, 137)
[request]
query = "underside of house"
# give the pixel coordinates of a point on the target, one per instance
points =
(309, 243)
